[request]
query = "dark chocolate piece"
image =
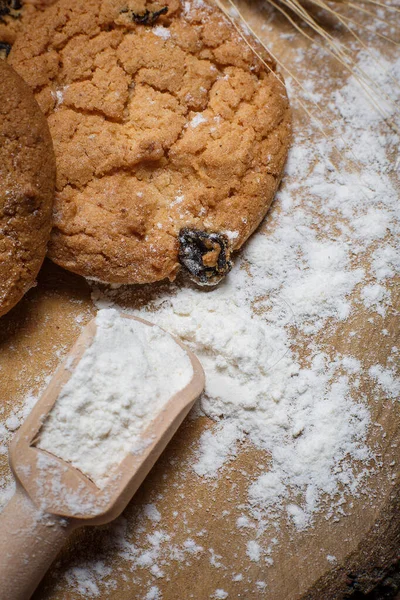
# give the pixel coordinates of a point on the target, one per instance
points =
(5, 47)
(206, 256)
(9, 8)
(148, 17)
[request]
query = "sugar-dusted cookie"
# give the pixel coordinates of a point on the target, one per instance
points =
(27, 183)
(170, 135)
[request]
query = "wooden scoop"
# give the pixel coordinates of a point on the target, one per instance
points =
(53, 498)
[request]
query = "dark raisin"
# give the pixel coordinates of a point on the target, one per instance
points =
(5, 48)
(206, 256)
(4, 11)
(148, 17)
(9, 8)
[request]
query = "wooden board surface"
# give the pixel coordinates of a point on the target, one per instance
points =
(99, 562)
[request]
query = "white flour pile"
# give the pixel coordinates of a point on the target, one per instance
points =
(121, 383)
(255, 385)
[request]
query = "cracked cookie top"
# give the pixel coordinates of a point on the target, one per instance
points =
(27, 181)
(163, 120)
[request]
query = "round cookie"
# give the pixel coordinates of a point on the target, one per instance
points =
(170, 135)
(27, 183)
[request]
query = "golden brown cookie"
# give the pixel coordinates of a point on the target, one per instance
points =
(167, 128)
(27, 183)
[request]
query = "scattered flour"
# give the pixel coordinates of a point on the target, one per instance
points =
(253, 551)
(255, 385)
(88, 582)
(272, 376)
(153, 593)
(152, 513)
(330, 558)
(261, 585)
(122, 381)
(197, 120)
(162, 32)
(220, 594)
(387, 380)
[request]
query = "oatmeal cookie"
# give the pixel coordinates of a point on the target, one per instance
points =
(27, 183)
(170, 135)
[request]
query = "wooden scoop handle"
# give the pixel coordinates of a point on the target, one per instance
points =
(29, 542)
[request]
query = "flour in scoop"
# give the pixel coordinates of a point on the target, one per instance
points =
(121, 383)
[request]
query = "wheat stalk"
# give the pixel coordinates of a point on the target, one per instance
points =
(298, 13)
(234, 13)
(342, 53)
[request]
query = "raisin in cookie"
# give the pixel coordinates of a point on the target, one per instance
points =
(10, 24)
(27, 183)
(14, 15)
(170, 135)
